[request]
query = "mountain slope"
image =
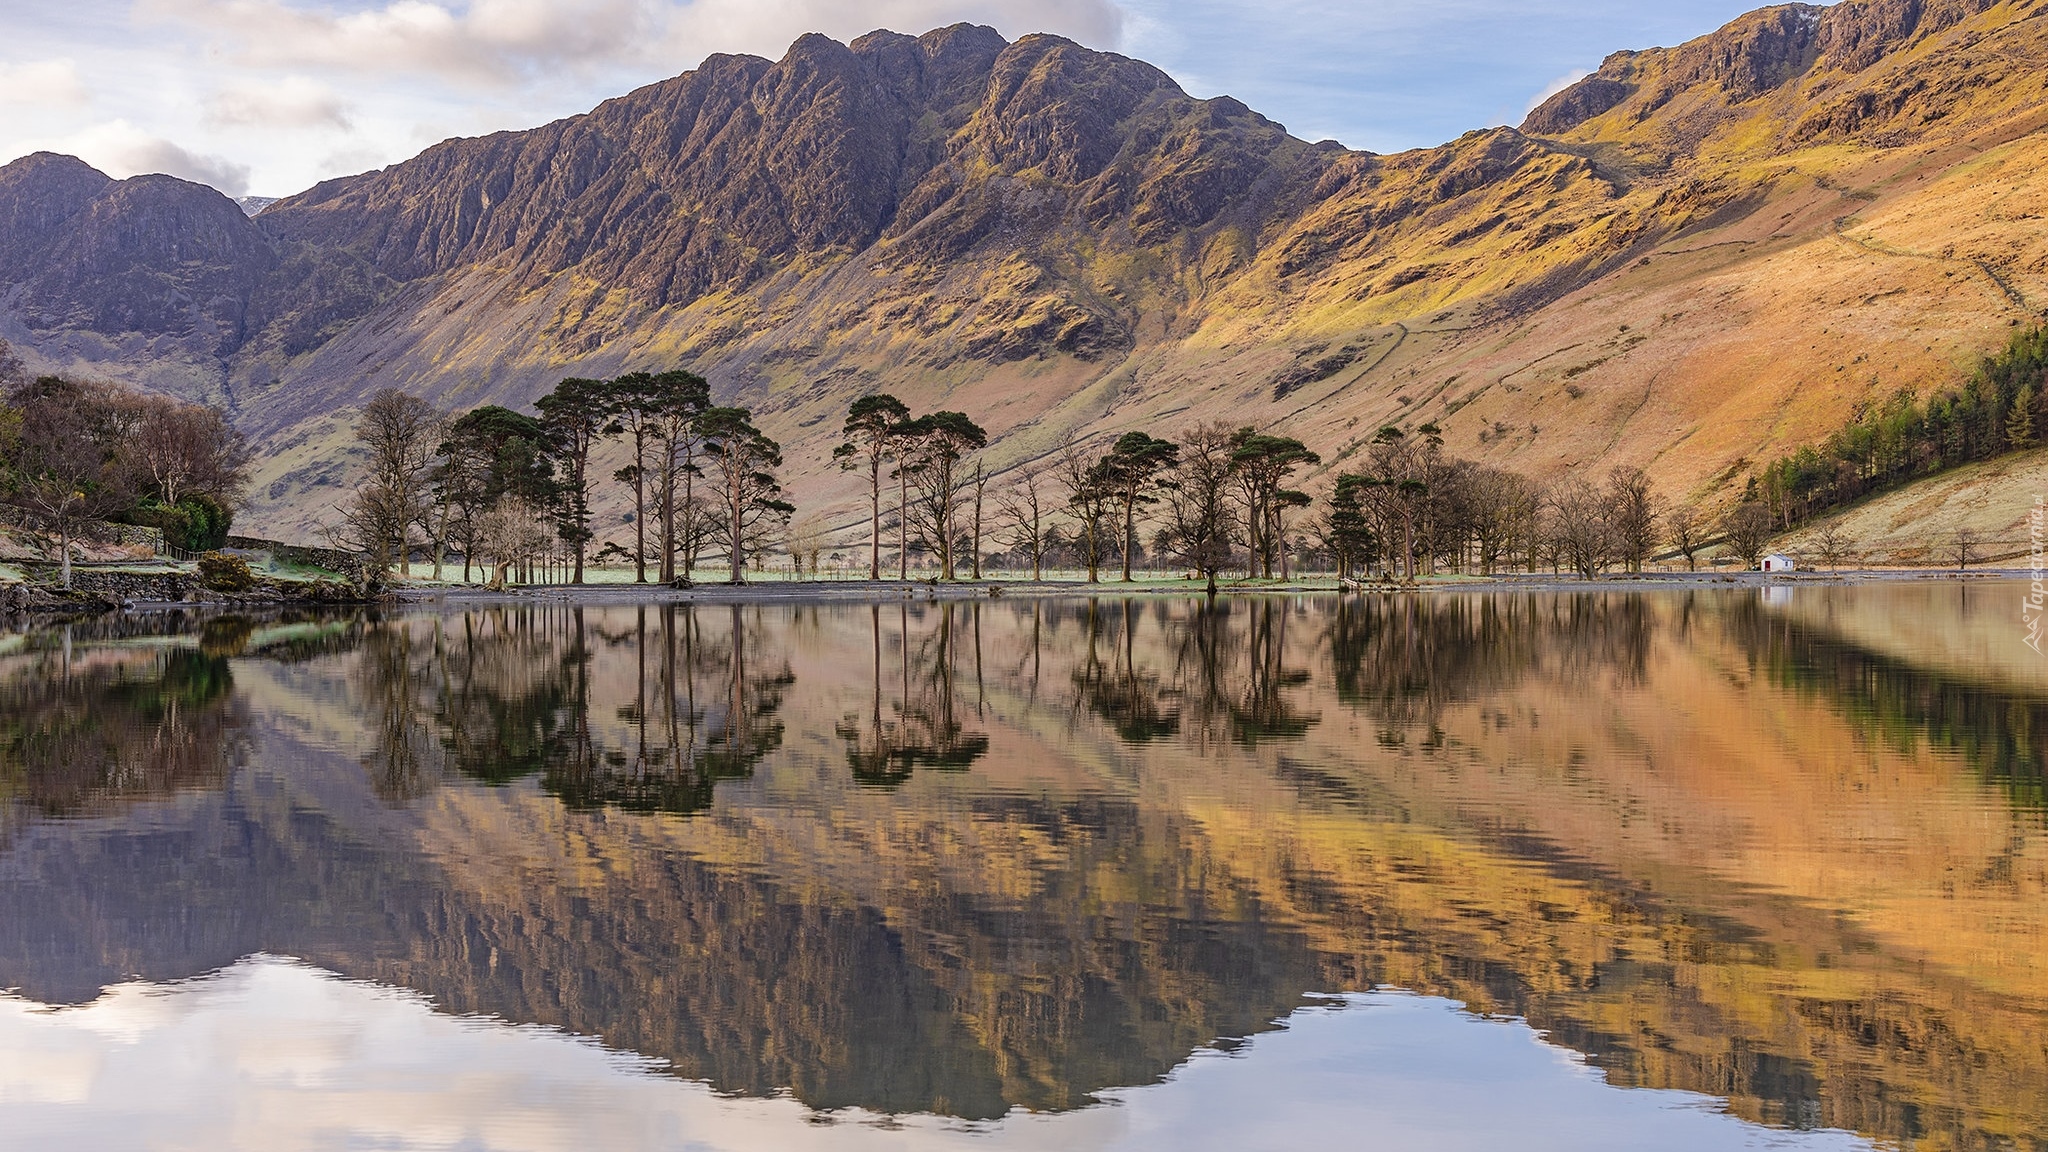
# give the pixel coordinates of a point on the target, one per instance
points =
(1690, 260)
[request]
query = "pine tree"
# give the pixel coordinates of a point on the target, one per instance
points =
(2019, 423)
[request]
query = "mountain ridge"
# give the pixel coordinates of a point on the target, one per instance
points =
(1056, 239)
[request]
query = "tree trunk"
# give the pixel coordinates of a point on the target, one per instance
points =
(668, 526)
(1130, 531)
(639, 507)
(736, 553)
(441, 544)
(875, 518)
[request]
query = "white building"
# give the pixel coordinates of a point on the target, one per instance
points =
(1778, 562)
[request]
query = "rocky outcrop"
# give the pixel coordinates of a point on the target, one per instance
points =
(1577, 104)
(36, 599)
(153, 255)
(1763, 52)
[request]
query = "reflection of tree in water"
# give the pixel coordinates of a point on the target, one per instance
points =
(924, 727)
(1404, 659)
(500, 694)
(705, 711)
(2002, 733)
(1226, 675)
(1128, 694)
(509, 694)
(404, 762)
(1233, 676)
(80, 732)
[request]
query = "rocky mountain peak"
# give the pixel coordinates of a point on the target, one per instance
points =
(1759, 53)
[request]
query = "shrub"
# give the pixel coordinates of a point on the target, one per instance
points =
(193, 524)
(221, 572)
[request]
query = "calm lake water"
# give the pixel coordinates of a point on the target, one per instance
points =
(1675, 870)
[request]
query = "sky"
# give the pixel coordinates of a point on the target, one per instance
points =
(274, 1054)
(268, 97)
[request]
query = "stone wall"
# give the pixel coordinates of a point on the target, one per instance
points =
(120, 585)
(332, 559)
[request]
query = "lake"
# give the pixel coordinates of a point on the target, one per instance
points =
(1684, 869)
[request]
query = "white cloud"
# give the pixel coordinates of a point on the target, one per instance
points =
(501, 42)
(1554, 87)
(294, 102)
(45, 83)
(120, 149)
(761, 26)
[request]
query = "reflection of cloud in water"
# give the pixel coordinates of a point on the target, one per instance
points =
(276, 1055)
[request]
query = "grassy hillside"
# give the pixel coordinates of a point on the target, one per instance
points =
(1696, 260)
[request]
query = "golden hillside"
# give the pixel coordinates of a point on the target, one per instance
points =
(1693, 260)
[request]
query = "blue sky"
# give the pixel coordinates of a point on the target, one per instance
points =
(269, 96)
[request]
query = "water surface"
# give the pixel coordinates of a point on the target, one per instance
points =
(1676, 869)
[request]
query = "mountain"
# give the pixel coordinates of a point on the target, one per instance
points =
(1691, 260)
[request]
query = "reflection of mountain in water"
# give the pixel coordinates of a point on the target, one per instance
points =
(1191, 828)
(2001, 732)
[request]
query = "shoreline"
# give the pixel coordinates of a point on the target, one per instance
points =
(49, 604)
(893, 591)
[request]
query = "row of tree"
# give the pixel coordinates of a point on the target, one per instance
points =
(75, 453)
(1224, 498)
(1218, 488)
(1997, 410)
(498, 484)
(515, 489)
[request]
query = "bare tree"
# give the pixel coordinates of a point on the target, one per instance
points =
(66, 466)
(1580, 528)
(402, 434)
(1087, 500)
(743, 461)
(1023, 516)
(1747, 529)
(511, 531)
(178, 449)
(1200, 516)
(1962, 545)
(1632, 516)
(1687, 533)
(977, 519)
(1504, 503)
(375, 520)
(806, 542)
(1832, 544)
